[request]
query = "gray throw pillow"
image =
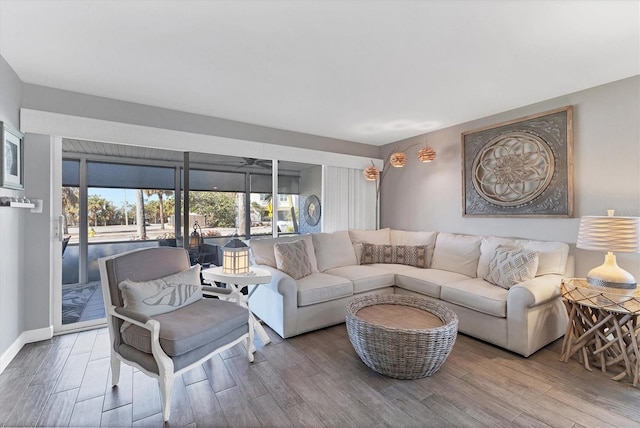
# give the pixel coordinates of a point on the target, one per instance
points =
(162, 295)
(292, 258)
(401, 254)
(510, 266)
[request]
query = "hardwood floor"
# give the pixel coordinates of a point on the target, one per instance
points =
(313, 380)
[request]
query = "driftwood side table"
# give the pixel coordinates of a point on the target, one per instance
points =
(603, 330)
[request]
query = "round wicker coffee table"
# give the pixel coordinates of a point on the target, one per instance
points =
(401, 336)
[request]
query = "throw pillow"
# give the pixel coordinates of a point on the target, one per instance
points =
(400, 254)
(162, 295)
(510, 266)
(292, 258)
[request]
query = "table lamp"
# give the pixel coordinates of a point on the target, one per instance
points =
(610, 234)
(235, 257)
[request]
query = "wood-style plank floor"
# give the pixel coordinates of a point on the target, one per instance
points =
(314, 380)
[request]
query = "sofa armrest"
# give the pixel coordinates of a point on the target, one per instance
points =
(534, 292)
(276, 303)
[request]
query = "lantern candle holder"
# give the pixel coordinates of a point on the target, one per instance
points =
(235, 257)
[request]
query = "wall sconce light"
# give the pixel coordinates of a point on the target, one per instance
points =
(235, 257)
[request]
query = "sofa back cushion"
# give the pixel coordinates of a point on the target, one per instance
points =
(333, 250)
(457, 253)
(361, 236)
(552, 256)
(262, 252)
(406, 237)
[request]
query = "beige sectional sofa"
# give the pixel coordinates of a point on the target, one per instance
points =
(522, 318)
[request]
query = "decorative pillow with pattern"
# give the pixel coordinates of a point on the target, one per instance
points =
(292, 258)
(399, 254)
(510, 266)
(162, 295)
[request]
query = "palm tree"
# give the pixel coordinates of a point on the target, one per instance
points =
(69, 203)
(142, 231)
(161, 194)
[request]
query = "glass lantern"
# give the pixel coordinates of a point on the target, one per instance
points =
(235, 257)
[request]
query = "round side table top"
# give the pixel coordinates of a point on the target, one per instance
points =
(254, 276)
(399, 316)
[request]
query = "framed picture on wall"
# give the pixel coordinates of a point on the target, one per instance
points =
(12, 176)
(520, 168)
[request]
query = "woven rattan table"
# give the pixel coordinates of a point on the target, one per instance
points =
(401, 336)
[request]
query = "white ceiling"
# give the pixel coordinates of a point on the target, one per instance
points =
(366, 71)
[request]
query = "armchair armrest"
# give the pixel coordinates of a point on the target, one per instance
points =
(131, 316)
(209, 290)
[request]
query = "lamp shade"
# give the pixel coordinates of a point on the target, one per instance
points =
(235, 257)
(612, 234)
(426, 154)
(371, 173)
(398, 159)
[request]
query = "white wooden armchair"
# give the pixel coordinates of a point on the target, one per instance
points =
(190, 332)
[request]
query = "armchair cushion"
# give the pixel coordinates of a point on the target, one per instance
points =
(162, 295)
(190, 327)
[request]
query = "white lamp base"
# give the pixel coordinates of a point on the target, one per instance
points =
(611, 278)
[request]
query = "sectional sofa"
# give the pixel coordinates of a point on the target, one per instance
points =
(314, 276)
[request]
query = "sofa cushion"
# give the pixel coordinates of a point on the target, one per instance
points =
(488, 248)
(393, 267)
(190, 327)
(457, 253)
(427, 281)
(405, 237)
(512, 265)
(477, 294)
(333, 250)
(397, 254)
(262, 252)
(321, 287)
(360, 236)
(292, 258)
(552, 256)
(164, 294)
(364, 278)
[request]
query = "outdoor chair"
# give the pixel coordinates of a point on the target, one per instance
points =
(159, 321)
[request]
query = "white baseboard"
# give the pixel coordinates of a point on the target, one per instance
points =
(25, 337)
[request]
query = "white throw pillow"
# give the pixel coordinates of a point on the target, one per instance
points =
(406, 237)
(292, 258)
(488, 250)
(333, 250)
(162, 295)
(262, 252)
(552, 256)
(457, 253)
(510, 266)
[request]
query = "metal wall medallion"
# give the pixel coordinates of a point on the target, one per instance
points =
(312, 210)
(520, 168)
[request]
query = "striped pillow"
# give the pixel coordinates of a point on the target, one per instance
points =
(399, 254)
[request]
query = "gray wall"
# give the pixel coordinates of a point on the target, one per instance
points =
(12, 228)
(607, 174)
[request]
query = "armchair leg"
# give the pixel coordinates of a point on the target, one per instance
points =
(166, 387)
(115, 369)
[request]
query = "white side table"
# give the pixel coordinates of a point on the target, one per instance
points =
(236, 283)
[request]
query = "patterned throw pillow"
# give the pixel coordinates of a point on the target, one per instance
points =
(292, 258)
(510, 266)
(162, 295)
(400, 254)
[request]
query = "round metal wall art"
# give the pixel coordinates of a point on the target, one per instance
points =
(312, 210)
(513, 169)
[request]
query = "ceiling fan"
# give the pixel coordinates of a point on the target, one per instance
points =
(260, 163)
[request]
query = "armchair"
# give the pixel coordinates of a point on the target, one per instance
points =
(167, 344)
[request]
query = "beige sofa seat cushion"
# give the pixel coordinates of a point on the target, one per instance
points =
(457, 253)
(394, 267)
(262, 252)
(406, 237)
(321, 287)
(364, 278)
(334, 250)
(477, 294)
(427, 281)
